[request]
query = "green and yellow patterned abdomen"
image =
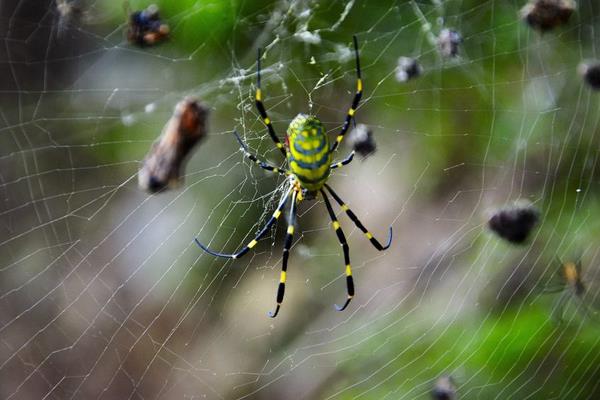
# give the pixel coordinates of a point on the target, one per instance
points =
(308, 153)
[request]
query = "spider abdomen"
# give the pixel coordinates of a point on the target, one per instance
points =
(308, 152)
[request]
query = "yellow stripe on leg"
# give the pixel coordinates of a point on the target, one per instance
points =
(369, 235)
(359, 85)
(258, 95)
(348, 270)
(290, 230)
(336, 225)
(345, 207)
(276, 214)
(252, 243)
(283, 277)
(267, 120)
(351, 112)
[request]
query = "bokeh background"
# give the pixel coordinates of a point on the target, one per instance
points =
(103, 293)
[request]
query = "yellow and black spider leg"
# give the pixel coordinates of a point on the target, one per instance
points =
(355, 101)
(254, 241)
(286, 254)
(345, 248)
(359, 225)
(263, 113)
(260, 163)
(345, 161)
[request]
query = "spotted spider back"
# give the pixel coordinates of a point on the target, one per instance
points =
(308, 151)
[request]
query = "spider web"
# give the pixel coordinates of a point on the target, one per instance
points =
(103, 293)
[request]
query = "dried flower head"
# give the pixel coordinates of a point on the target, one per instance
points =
(448, 42)
(590, 71)
(444, 389)
(69, 13)
(162, 165)
(407, 69)
(545, 15)
(514, 223)
(362, 141)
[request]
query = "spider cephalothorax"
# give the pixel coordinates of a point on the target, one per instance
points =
(309, 156)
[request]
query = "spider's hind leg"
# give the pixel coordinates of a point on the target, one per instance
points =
(359, 224)
(342, 239)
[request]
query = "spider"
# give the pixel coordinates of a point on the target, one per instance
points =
(569, 282)
(309, 156)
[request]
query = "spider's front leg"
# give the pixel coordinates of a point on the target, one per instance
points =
(253, 158)
(263, 112)
(345, 161)
(355, 101)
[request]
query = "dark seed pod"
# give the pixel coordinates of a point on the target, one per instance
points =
(591, 74)
(146, 27)
(362, 141)
(515, 223)
(448, 42)
(407, 69)
(545, 15)
(444, 389)
(70, 13)
(162, 165)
